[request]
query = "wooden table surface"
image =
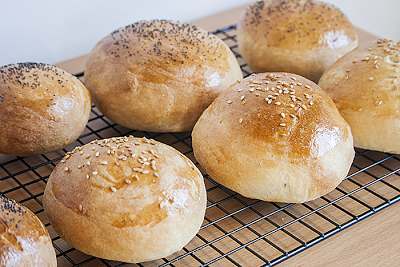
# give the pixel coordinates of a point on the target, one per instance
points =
(372, 242)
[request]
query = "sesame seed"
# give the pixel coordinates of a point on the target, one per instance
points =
(229, 101)
(283, 115)
(242, 97)
(292, 116)
(87, 176)
(127, 181)
(103, 162)
(94, 173)
(371, 78)
(113, 189)
(145, 171)
(66, 169)
(282, 134)
(282, 124)
(277, 103)
(156, 174)
(80, 207)
(240, 120)
(97, 154)
(88, 163)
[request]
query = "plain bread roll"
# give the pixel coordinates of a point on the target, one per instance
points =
(24, 241)
(365, 86)
(275, 137)
(42, 109)
(159, 75)
(298, 36)
(126, 199)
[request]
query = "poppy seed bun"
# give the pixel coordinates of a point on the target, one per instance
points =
(365, 86)
(159, 75)
(126, 199)
(42, 109)
(24, 241)
(297, 36)
(275, 137)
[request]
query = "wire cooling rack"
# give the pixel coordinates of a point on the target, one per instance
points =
(236, 230)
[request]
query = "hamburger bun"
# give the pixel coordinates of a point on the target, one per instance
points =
(297, 36)
(42, 109)
(365, 86)
(24, 241)
(159, 75)
(126, 199)
(275, 137)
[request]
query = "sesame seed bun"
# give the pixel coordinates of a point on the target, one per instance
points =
(42, 109)
(159, 75)
(297, 36)
(365, 86)
(126, 199)
(275, 137)
(24, 241)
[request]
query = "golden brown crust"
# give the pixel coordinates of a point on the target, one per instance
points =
(365, 86)
(297, 36)
(126, 199)
(42, 109)
(159, 75)
(24, 241)
(275, 137)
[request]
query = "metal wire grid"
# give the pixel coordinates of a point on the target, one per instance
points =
(236, 229)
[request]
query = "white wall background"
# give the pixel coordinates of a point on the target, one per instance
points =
(53, 31)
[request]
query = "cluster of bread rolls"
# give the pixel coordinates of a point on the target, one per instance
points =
(276, 135)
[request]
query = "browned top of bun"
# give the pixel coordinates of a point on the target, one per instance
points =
(366, 78)
(297, 114)
(298, 24)
(159, 75)
(42, 108)
(24, 241)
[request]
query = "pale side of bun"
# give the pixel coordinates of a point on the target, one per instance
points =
(275, 137)
(24, 241)
(298, 36)
(159, 75)
(365, 86)
(126, 199)
(42, 109)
